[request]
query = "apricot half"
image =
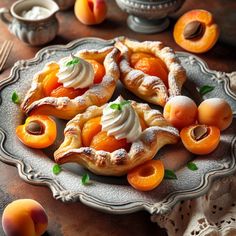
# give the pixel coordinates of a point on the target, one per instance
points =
(39, 131)
(200, 139)
(147, 176)
(196, 31)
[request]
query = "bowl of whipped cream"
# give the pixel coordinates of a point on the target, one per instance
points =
(32, 21)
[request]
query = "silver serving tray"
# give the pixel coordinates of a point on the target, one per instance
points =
(112, 194)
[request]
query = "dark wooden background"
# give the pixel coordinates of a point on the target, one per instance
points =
(75, 218)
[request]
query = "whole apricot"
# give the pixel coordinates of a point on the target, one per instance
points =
(216, 112)
(90, 12)
(180, 111)
(24, 217)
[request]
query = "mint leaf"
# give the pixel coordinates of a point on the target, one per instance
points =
(56, 169)
(169, 174)
(72, 62)
(115, 106)
(192, 166)
(15, 98)
(205, 89)
(124, 102)
(85, 179)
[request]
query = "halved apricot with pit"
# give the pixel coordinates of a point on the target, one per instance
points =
(147, 176)
(39, 131)
(200, 139)
(196, 31)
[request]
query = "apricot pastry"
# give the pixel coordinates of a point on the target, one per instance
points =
(118, 140)
(68, 87)
(150, 70)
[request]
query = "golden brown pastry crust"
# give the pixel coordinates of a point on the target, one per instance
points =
(150, 88)
(119, 162)
(64, 107)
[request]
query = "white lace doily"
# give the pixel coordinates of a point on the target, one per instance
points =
(213, 214)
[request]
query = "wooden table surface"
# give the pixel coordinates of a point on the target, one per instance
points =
(75, 218)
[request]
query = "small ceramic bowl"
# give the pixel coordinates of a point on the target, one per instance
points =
(149, 16)
(32, 31)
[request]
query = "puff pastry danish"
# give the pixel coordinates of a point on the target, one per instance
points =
(150, 88)
(143, 144)
(37, 102)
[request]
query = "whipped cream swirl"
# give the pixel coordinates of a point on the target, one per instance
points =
(75, 73)
(120, 120)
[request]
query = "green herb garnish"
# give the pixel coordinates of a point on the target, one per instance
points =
(15, 98)
(115, 106)
(169, 174)
(192, 166)
(85, 179)
(72, 62)
(118, 106)
(56, 169)
(206, 89)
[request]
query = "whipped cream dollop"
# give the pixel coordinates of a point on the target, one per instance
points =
(120, 120)
(75, 73)
(36, 13)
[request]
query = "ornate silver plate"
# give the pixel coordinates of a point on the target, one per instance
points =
(109, 193)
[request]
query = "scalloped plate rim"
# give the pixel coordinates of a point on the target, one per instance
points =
(128, 207)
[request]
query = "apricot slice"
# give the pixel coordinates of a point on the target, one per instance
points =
(90, 129)
(147, 176)
(196, 31)
(50, 83)
(99, 71)
(102, 141)
(39, 131)
(152, 66)
(67, 92)
(136, 56)
(200, 139)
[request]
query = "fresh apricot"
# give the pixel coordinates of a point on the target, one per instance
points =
(71, 93)
(50, 83)
(146, 176)
(152, 66)
(90, 129)
(24, 217)
(200, 139)
(216, 112)
(90, 12)
(39, 131)
(196, 31)
(102, 141)
(99, 71)
(180, 111)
